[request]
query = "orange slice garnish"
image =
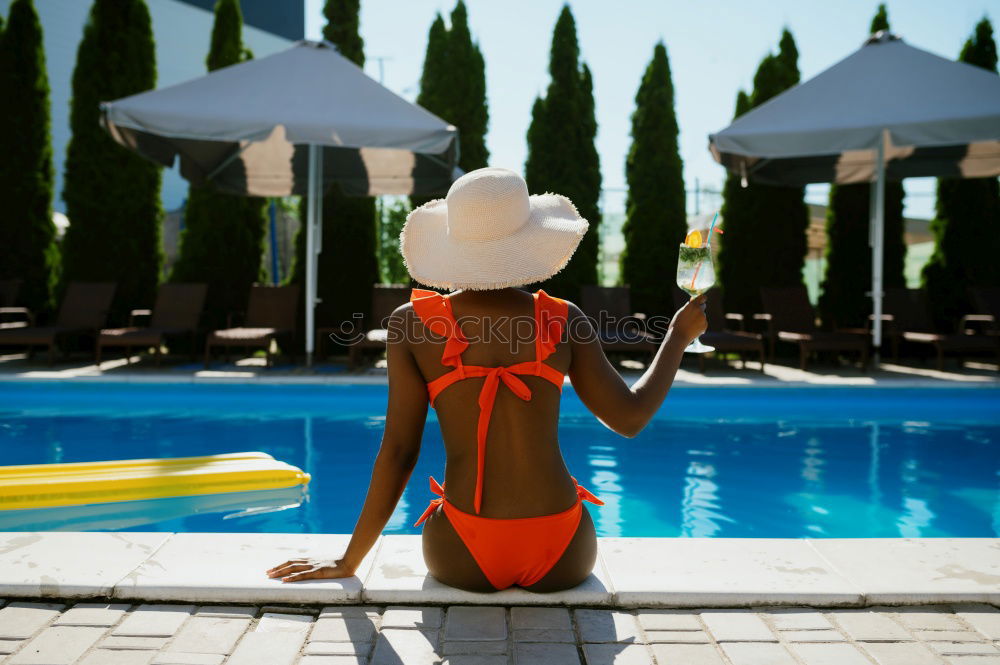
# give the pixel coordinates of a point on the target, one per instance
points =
(693, 239)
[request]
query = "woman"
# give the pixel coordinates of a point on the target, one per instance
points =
(491, 357)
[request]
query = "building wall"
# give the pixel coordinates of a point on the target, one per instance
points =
(182, 32)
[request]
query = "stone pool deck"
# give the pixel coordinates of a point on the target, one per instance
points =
(35, 633)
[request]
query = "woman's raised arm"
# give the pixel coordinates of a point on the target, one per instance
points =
(623, 409)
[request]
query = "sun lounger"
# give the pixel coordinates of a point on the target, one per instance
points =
(385, 299)
(176, 312)
(12, 316)
(271, 315)
(610, 310)
(910, 322)
(988, 303)
(719, 333)
(791, 318)
(84, 310)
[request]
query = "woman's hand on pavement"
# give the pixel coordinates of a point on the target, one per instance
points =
(296, 570)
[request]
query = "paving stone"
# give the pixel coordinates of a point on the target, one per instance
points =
(540, 617)
(948, 635)
(288, 609)
(412, 647)
(179, 658)
(757, 653)
(668, 620)
(606, 626)
(677, 636)
(475, 624)
(617, 654)
(812, 636)
(961, 648)
(798, 618)
(209, 635)
(177, 570)
(737, 626)
(338, 648)
(19, 621)
(543, 635)
(92, 614)
(343, 630)
(71, 564)
(226, 611)
(132, 642)
(829, 654)
(490, 648)
(9, 646)
(550, 654)
(719, 572)
(474, 660)
(916, 570)
(104, 657)
(267, 648)
(984, 618)
(333, 660)
(272, 622)
(864, 625)
(57, 645)
(974, 660)
(154, 620)
(901, 653)
(349, 612)
(928, 618)
(424, 618)
(687, 654)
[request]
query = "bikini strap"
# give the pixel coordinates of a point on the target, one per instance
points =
(550, 321)
(434, 311)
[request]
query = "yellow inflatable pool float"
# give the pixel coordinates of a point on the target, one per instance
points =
(80, 483)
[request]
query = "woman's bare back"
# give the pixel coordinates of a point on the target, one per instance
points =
(524, 474)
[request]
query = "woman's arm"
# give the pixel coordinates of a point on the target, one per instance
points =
(626, 410)
(404, 425)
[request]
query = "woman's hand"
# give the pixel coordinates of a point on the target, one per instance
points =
(296, 570)
(690, 322)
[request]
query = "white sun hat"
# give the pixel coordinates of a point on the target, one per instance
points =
(490, 234)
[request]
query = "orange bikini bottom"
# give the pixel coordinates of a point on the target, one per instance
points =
(513, 551)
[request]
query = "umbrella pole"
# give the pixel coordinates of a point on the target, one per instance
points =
(313, 217)
(877, 242)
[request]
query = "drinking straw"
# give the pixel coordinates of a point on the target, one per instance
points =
(714, 219)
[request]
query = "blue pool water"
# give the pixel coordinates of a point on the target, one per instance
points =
(724, 462)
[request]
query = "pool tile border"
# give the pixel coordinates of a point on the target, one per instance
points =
(630, 572)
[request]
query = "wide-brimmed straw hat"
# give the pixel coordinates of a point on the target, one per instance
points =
(490, 234)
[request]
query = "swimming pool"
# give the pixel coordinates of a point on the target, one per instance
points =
(773, 462)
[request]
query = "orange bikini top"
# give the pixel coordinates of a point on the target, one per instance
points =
(434, 311)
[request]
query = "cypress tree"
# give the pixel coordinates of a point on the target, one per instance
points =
(737, 255)
(848, 274)
(112, 194)
(27, 235)
(453, 87)
(223, 236)
(348, 264)
(765, 241)
(966, 226)
(655, 213)
(562, 157)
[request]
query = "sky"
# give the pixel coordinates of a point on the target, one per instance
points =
(714, 47)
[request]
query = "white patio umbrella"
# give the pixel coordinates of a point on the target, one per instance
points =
(291, 123)
(888, 110)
